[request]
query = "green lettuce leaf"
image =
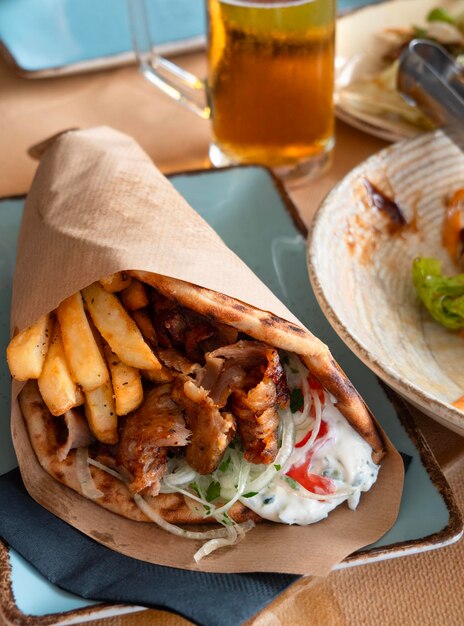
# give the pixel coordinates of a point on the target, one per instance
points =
(442, 296)
(440, 14)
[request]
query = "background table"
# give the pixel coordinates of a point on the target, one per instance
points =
(420, 589)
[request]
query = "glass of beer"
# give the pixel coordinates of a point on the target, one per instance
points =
(269, 90)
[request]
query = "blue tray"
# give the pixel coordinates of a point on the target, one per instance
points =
(251, 212)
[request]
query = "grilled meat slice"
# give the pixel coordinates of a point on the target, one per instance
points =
(220, 377)
(157, 424)
(257, 392)
(174, 360)
(257, 421)
(211, 430)
(189, 332)
(78, 433)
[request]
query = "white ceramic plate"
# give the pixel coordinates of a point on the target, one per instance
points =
(361, 271)
(359, 52)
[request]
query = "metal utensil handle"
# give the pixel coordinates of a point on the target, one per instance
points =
(182, 86)
(429, 77)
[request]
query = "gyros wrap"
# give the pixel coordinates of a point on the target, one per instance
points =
(213, 404)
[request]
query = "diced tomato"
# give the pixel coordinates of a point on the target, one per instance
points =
(311, 482)
(316, 386)
(322, 433)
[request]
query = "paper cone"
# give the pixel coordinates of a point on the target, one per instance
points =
(98, 205)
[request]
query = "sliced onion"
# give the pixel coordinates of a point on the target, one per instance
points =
(309, 495)
(182, 477)
(244, 527)
(84, 475)
(172, 528)
(282, 457)
(106, 469)
(181, 474)
(316, 425)
(177, 489)
(195, 507)
(236, 534)
(241, 486)
(303, 372)
(215, 544)
(166, 488)
(236, 458)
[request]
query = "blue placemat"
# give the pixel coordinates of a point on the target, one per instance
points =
(48, 34)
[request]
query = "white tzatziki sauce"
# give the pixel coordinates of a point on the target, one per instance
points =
(341, 455)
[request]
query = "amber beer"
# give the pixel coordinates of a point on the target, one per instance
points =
(270, 81)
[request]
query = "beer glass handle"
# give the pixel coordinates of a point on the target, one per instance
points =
(182, 86)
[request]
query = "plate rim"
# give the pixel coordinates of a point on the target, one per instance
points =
(450, 533)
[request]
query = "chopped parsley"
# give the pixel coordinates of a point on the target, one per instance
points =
(332, 473)
(194, 488)
(250, 494)
(296, 400)
(226, 520)
(277, 467)
(292, 483)
(225, 464)
(213, 491)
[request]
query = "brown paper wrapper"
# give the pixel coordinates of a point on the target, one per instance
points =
(98, 205)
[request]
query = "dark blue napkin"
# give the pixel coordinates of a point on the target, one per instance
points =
(82, 566)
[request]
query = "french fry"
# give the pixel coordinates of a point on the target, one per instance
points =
(83, 356)
(116, 282)
(143, 321)
(118, 328)
(158, 376)
(27, 350)
(80, 397)
(100, 412)
(134, 296)
(56, 385)
(126, 381)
